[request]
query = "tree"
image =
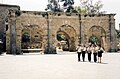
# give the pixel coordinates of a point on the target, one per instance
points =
(68, 5)
(87, 7)
(54, 5)
(80, 10)
(61, 37)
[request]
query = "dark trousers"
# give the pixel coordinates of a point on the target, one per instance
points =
(95, 57)
(83, 55)
(89, 56)
(79, 53)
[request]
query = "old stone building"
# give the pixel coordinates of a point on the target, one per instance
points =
(34, 29)
(4, 15)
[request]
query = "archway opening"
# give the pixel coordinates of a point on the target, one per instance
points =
(63, 39)
(97, 35)
(31, 37)
(68, 35)
(25, 40)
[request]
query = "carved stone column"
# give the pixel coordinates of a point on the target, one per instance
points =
(113, 43)
(103, 40)
(12, 31)
(49, 49)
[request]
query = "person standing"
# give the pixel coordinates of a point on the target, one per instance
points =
(95, 52)
(83, 53)
(79, 51)
(100, 51)
(89, 53)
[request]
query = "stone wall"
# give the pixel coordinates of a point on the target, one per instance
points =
(4, 24)
(36, 26)
(70, 25)
(39, 25)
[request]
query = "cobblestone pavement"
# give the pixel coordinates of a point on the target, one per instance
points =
(58, 66)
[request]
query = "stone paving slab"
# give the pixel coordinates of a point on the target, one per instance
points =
(59, 66)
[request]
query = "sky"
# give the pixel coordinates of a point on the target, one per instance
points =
(110, 6)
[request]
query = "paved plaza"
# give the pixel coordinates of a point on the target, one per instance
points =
(63, 65)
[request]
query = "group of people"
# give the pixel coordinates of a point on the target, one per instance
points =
(95, 50)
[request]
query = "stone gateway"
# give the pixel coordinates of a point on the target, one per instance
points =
(45, 30)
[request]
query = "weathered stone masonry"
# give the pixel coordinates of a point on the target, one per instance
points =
(4, 23)
(76, 30)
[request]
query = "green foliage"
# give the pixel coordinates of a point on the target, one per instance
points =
(80, 10)
(93, 40)
(87, 7)
(61, 37)
(25, 37)
(118, 33)
(54, 6)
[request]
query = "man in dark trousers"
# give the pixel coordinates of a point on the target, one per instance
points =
(83, 53)
(79, 51)
(95, 52)
(89, 51)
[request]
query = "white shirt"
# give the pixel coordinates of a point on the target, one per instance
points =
(80, 49)
(84, 48)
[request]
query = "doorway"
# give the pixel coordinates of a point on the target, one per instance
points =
(63, 39)
(66, 36)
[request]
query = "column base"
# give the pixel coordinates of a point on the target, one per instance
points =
(50, 50)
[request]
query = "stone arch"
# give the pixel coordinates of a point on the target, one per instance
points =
(99, 33)
(63, 38)
(35, 35)
(97, 29)
(70, 34)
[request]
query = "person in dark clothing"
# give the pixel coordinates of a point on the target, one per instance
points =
(95, 51)
(83, 53)
(79, 51)
(100, 51)
(89, 53)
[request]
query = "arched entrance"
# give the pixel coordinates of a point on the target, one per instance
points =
(32, 37)
(66, 35)
(97, 36)
(63, 39)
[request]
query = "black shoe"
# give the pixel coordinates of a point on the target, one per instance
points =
(78, 60)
